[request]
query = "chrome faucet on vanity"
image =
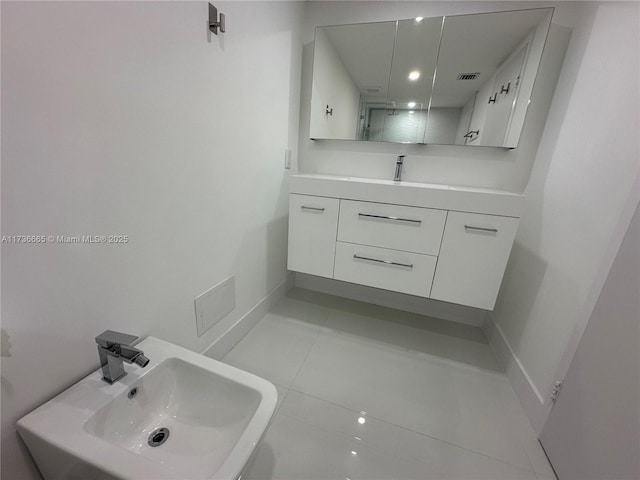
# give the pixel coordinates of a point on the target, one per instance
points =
(399, 162)
(113, 349)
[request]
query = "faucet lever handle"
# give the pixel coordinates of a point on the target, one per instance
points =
(108, 338)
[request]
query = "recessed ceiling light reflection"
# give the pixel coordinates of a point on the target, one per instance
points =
(361, 420)
(353, 452)
(414, 75)
(419, 19)
(410, 111)
(411, 104)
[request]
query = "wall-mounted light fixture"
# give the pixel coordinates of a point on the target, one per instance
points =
(214, 22)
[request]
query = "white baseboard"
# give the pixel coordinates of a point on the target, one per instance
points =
(399, 301)
(236, 332)
(532, 400)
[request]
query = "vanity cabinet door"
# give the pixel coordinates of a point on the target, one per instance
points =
(474, 253)
(313, 222)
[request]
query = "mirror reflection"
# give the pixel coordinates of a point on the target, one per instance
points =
(351, 66)
(482, 66)
(403, 118)
(461, 80)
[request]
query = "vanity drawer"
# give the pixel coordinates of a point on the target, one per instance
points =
(405, 272)
(313, 222)
(411, 229)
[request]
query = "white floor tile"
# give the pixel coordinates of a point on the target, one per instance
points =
(447, 340)
(441, 460)
(278, 345)
(294, 306)
(433, 400)
(528, 437)
(441, 399)
(295, 450)
(545, 477)
(290, 451)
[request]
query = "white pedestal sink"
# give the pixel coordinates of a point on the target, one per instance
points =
(184, 416)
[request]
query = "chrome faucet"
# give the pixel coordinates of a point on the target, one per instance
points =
(398, 174)
(113, 348)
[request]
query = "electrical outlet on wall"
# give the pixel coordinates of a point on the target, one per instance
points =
(215, 304)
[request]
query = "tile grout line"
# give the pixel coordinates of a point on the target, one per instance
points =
(400, 427)
(277, 412)
(315, 339)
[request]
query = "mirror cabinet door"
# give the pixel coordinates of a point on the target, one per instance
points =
(456, 80)
(404, 117)
(351, 65)
(486, 70)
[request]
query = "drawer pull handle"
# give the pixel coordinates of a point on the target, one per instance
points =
(397, 219)
(493, 230)
(315, 209)
(388, 262)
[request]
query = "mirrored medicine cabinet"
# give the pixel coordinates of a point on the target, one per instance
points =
(454, 80)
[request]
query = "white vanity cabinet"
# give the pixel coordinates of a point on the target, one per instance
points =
(313, 222)
(474, 254)
(446, 243)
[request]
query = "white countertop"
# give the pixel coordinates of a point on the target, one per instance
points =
(445, 197)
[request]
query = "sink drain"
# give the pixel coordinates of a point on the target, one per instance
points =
(158, 437)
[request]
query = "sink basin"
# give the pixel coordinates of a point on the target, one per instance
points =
(184, 416)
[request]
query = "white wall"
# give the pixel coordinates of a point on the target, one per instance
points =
(333, 86)
(125, 118)
(487, 166)
(580, 186)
